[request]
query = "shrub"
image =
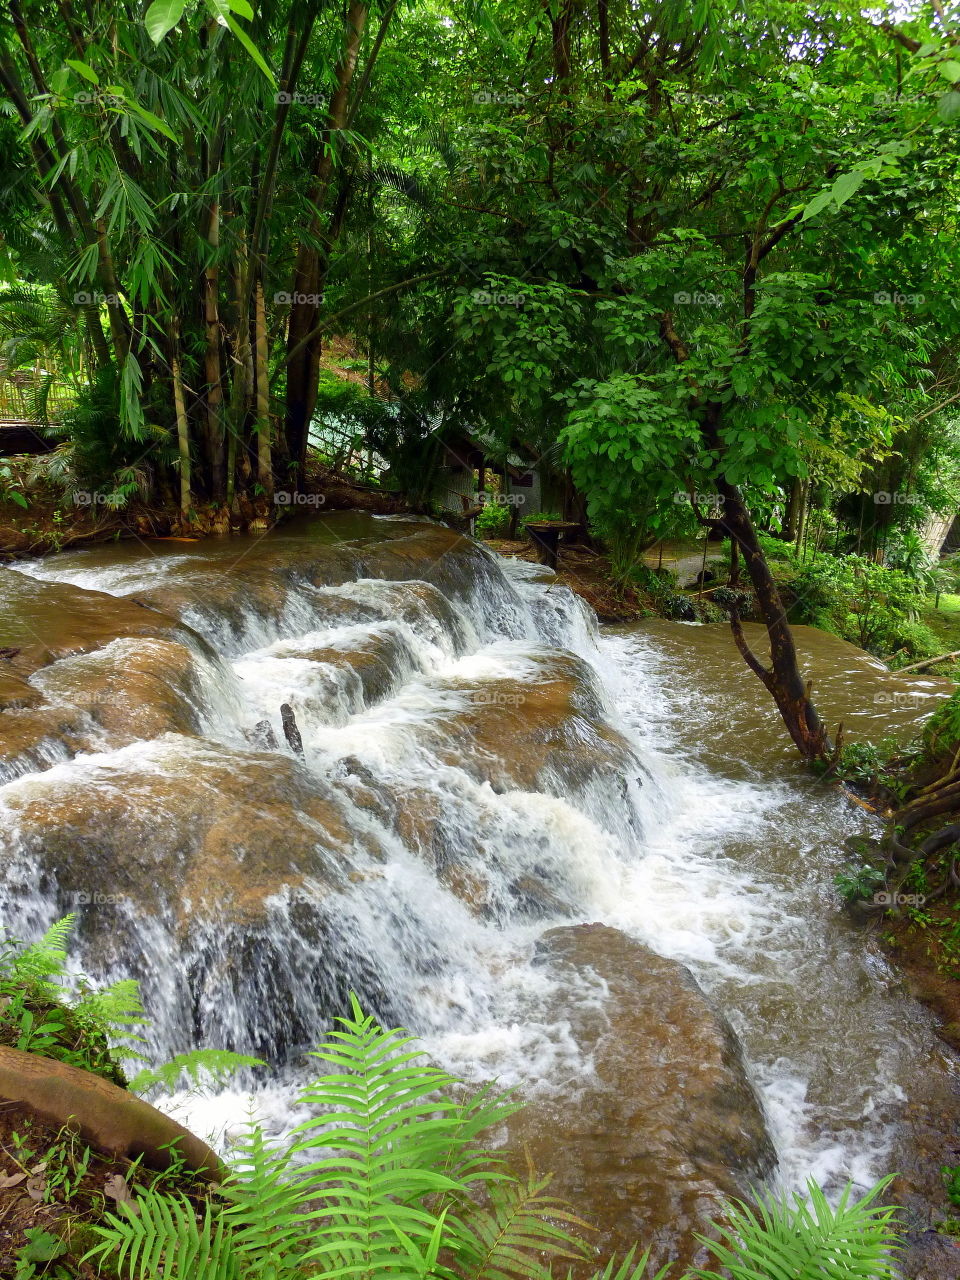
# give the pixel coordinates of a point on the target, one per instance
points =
(96, 453)
(858, 883)
(915, 640)
(865, 603)
(941, 733)
(493, 520)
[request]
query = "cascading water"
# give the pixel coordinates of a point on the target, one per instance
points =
(480, 766)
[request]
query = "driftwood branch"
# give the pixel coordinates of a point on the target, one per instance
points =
(928, 662)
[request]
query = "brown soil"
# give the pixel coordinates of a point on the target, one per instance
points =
(932, 974)
(587, 573)
(56, 1184)
(52, 522)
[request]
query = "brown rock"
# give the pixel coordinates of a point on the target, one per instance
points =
(668, 1125)
(52, 620)
(545, 734)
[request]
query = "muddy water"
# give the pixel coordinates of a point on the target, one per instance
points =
(483, 772)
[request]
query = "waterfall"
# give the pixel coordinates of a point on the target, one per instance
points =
(480, 764)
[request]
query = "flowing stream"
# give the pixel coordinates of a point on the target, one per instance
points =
(481, 766)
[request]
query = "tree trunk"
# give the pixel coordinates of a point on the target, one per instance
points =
(262, 381)
(304, 357)
(211, 362)
(791, 515)
(782, 678)
(183, 426)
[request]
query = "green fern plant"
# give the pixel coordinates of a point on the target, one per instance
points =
(91, 1028)
(806, 1240)
(390, 1178)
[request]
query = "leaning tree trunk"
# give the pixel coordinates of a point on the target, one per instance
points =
(303, 342)
(782, 678)
(183, 426)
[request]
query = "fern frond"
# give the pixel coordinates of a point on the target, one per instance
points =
(265, 1211)
(504, 1241)
(201, 1066)
(387, 1138)
(808, 1239)
(43, 963)
(164, 1238)
(627, 1269)
(116, 1006)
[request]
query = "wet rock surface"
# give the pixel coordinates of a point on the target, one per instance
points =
(928, 1137)
(180, 829)
(45, 621)
(544, 733)
(668, 1122)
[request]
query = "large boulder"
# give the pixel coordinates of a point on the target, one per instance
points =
(545, 732)
(177, 828)
(665, 1123)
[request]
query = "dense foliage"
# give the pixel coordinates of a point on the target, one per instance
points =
(698, 262)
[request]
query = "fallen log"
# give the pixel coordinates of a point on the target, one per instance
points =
(927, 662)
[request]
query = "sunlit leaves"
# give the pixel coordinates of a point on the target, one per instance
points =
(162, 16)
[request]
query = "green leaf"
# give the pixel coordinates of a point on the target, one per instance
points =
(153, 121)
(163, 16)
(82, 69)
(950, 71)
(817, 204)
(250, 47)
(948, 108)
(846, 186)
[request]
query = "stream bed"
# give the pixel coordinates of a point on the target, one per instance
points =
(579, 861)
